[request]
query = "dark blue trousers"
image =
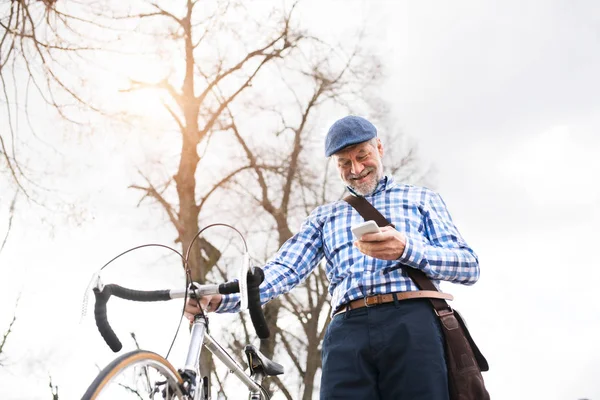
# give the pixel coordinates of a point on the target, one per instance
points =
(392, 351)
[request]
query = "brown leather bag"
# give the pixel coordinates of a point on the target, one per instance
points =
(464, 361)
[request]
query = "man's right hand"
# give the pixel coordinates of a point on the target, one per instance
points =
(208, 303)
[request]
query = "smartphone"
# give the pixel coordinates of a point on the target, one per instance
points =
(364, 228)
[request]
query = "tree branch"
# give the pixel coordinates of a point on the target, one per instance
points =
(294, 157)
(291, 352)
(220, 183)
(11, 213)
(53, 388)
(281, 386)
(265, 202)
(8, 331)
(237, 67)
(160, 12)
(152, 192)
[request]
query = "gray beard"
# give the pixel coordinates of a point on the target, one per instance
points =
(365, 189)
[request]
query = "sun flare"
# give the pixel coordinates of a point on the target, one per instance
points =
(140, 92)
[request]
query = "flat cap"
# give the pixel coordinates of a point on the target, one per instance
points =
(348, 131)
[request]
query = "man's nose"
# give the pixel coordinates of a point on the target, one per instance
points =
(357, 167)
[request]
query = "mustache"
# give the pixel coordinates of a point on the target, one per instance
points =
(364, 173)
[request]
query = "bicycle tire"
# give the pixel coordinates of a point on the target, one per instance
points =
(119, 369)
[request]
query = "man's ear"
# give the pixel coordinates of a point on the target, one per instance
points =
(380, 147)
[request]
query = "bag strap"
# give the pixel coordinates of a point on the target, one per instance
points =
(368, 212)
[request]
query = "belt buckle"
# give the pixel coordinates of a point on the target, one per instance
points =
(377, 298)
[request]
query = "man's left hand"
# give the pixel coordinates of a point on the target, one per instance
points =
(387, 245)
(208, 303)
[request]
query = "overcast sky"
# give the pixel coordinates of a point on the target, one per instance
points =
(503, 101)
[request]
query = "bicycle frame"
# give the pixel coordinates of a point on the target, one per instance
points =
(199, 338)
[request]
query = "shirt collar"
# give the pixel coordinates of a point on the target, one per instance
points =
(385, 183)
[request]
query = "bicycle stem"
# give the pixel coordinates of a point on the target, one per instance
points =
(200, 290)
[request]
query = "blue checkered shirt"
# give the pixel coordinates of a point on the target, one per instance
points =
(433, 245)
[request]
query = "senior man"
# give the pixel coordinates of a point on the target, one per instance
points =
(393, 350)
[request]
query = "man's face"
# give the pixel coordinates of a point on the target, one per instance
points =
(360, 166)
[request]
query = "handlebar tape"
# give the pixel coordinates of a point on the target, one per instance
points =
(229, 287)
(255, 277)
(102, 297)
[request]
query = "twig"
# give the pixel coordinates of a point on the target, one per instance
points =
(11, 214)
(9, 330)
(53, 388)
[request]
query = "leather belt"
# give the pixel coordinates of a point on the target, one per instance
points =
(377, 299)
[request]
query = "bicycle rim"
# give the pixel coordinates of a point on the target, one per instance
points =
(137, 375)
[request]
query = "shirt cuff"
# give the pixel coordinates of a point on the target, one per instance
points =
(229, 303)
(413, 254)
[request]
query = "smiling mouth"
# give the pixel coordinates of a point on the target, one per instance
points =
(360, 178)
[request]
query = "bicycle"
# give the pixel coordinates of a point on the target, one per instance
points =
(152, 373)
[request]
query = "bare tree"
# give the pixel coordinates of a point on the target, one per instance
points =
(260, 87)
(198, 103)
(34, 37)
(196, 112)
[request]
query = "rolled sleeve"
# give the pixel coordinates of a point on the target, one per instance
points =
(229, 303)
(442, 253)
(413, 254)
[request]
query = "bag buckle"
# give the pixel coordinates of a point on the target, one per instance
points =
(376, 300)
(443, 313)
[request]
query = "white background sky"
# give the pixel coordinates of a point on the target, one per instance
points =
(501, 98)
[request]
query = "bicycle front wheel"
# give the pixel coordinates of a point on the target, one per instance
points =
(137, 375)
